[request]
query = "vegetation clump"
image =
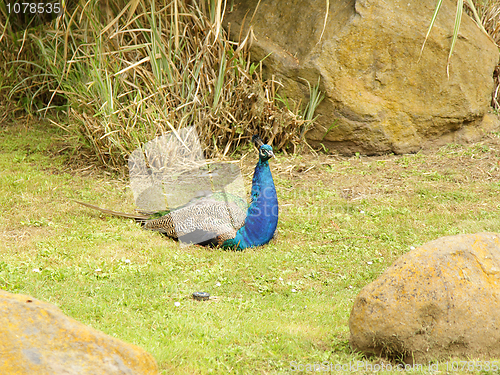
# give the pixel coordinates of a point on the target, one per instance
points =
(123, 72)
(128, 71)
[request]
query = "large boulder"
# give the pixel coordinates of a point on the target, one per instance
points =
(439, 300)
(381, 96)
(37, 338)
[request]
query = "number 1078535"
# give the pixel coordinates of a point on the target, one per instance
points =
(33, 8)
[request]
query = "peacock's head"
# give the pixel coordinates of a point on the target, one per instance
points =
(265, 151)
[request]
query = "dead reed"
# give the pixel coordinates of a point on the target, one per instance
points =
(127, 71)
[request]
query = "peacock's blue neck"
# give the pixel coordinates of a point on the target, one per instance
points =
(262, 215)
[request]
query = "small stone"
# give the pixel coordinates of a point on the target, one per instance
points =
(201, 296)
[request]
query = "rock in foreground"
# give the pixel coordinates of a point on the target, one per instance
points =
(37, 338)
(439, 300)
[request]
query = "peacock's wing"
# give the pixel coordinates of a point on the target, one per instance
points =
(205, 220)
(170, 178)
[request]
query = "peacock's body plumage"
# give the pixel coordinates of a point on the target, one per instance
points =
(221, 219)
(262, 215)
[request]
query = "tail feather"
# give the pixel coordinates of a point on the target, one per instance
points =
(137, 217)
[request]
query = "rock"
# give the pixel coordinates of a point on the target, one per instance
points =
(37, 338)
(439, 300)
(379, 96)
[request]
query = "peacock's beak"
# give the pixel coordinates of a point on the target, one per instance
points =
(269, 153)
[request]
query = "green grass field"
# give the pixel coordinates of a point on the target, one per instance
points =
(343, 221)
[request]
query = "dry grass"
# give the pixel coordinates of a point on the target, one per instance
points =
(343, 221)
(128, 71)
(490, 17)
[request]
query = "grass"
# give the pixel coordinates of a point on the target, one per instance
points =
(343, 221)
(126, 71)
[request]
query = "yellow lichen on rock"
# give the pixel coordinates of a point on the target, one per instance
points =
(37, 338)
(439, 300)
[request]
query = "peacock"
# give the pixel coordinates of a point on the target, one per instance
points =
(219, 219)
